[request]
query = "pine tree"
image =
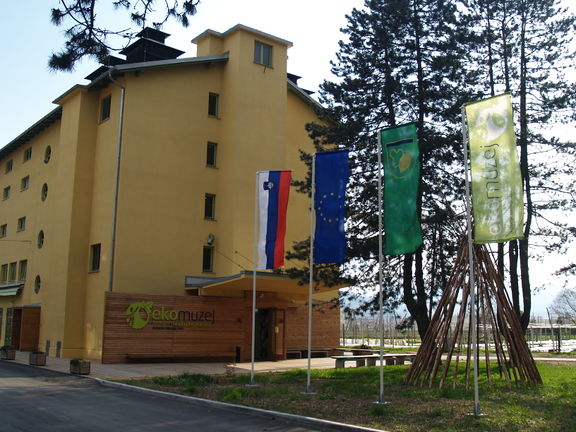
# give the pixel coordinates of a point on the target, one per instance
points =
(86, 36)
(402, 62)
(529, 54)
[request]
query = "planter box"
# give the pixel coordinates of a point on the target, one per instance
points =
(80, 367)
(37, 359)
(8, 354)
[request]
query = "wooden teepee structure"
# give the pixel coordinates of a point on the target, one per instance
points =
(449, 336)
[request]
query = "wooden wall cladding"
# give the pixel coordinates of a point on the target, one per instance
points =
(203, 328)
(325, 327)
(145, 327)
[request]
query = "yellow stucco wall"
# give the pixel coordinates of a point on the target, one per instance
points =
(161, 228)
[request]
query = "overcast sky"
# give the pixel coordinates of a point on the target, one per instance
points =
(28, 38)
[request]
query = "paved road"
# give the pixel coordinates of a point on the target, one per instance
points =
(35, 399)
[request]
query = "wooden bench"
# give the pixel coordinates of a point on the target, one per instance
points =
(370, 359)
(303, 353)
(213, 356)
(293, 354)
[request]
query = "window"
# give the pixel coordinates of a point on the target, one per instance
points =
(105, 105)
(3, 230)
(47, 154)
(21, 224)
(44, 192)
(22, 270)
(6, 193)
(207, 259)
(262, 54)
(25, 183)
(40, 239)
(209, 206)
(213, 100)
(12, 272)
(27, 154)
(9, 166)
(37, 283)
(95, 257)
(211, 149)
(4, 273)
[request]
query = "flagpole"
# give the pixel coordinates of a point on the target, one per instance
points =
(311, 275)
(381, 400)
(477, 411)
(255, 258)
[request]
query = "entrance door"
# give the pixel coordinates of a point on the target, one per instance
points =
(278, 317)
(26, 328)
(263, 335)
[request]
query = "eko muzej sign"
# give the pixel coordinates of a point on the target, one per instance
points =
(147, 313)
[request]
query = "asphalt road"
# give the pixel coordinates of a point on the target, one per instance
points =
(35, 399)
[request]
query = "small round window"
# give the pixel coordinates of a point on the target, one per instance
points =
(37, 283)
(44, 193)
(47, 154)
(40, 239)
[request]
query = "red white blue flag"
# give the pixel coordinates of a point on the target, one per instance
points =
(273, 189)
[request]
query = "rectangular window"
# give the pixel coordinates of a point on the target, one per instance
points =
(4, 273)
(105, 106)
(12, 272)
(6, 193)
(95, 257)
(25, 183)
(3, 230)
(27, 154)
(209, 206)
(213, 102)
(9, 166)
(211, 152)
(21, 224)
(22, 270)
(207, 259)
(262, 54)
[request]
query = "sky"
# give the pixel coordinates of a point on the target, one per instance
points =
(28, 38)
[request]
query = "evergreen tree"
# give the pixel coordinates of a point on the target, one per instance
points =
(529, 53)
(402, 62)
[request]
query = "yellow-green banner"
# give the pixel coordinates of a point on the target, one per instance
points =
(497, 197)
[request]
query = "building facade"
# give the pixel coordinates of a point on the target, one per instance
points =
(127, 215)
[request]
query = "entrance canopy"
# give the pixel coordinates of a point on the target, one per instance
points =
(235, 285)
(10, 289)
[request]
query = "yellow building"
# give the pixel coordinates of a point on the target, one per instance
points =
(138, 189)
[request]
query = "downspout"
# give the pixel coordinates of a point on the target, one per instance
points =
(116, 181)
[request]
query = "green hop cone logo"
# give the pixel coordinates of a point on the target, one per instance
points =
(138, 314)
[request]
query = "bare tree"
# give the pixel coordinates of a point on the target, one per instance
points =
(564, 305)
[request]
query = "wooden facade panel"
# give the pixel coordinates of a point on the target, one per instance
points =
(203, 327)
(325, 327)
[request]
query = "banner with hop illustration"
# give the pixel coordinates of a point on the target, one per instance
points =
(401, 161)
(497, 196)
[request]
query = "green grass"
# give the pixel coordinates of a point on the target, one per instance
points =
(348, 395)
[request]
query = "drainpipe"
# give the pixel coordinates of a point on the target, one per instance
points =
(116, 180)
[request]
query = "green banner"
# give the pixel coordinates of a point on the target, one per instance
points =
(497, 197)
(401, 160)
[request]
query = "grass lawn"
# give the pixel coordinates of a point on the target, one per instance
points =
(347, 395)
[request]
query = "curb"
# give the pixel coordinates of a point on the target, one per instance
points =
(323, 425)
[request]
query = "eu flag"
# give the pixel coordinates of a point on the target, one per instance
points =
(331, 177)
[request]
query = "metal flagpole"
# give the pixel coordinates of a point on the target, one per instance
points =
(477, 411)
(311, 275)
(381, 400)
(255, 260)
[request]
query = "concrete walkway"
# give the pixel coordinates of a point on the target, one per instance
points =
(138, 370)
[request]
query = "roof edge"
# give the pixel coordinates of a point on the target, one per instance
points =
(241, 27)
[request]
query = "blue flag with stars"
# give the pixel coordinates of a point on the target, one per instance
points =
(331, 175)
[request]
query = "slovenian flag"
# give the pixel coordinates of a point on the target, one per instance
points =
(273, 189)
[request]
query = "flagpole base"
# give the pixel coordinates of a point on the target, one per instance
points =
(308, 391)
(381, 402)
